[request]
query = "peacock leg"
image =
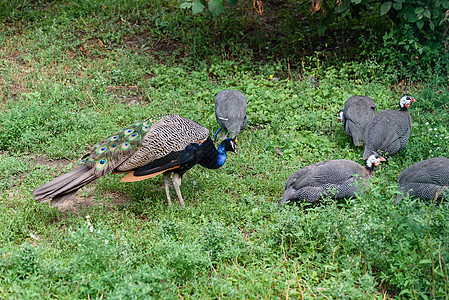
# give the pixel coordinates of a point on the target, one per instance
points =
(177, 185)
(167, 186)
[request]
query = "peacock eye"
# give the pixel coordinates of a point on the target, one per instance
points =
(114, 145)
(102, 162)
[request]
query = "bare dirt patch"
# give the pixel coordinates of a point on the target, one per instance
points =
(132, 95)
(45, 161)
(80, 201)
(85, 197)
(16, 86)
(159, 48)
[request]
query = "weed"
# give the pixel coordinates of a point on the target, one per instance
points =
(68, 71)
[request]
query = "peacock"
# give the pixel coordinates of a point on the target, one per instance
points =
(165, 144)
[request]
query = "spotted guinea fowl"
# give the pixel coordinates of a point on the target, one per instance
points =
(427, 180)
(390, 129)
(160, 144)
(332, 178)
(357, 114)
(230, 111)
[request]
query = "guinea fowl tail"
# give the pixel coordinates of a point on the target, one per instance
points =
(357, 140)
(64, 186)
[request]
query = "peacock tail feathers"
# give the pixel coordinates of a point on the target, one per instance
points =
(109, 153)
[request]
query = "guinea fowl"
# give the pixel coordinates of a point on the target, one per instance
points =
(160, 144)
(332, 178)
(357, 114)
(230, 111)
(390, 129)
(427, 180)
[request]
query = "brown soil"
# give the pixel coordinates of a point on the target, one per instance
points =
(83, 198)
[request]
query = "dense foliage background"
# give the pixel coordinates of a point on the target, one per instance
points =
(72, 72)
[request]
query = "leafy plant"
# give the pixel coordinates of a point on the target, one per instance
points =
(216, 7)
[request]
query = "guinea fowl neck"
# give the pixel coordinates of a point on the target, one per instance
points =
(370, 170)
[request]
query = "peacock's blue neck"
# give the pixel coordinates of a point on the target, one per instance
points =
(211, 157)
(221, 157)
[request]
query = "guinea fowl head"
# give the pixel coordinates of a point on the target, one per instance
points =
(406, 101)
(340, 116)
(374, 160)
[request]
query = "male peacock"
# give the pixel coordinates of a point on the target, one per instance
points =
(161, 144)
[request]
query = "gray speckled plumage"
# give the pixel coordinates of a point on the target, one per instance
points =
(389, 131)
(358, 113)
(427, 180)
(230, 111)
(333, 178)
(162, 144)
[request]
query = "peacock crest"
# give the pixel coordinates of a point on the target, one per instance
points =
(111, 151)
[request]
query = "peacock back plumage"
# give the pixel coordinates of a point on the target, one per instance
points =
(142, 142)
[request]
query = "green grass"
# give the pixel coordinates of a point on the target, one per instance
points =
(62, 90)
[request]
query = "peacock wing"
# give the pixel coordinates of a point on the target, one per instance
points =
(110, 153)
(169, 141)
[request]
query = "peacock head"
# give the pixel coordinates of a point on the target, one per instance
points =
(406, 101)
(374, 160)
(229, 145)
(340, 116)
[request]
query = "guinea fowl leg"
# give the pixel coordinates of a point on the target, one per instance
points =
(177, 185)
(167, 186)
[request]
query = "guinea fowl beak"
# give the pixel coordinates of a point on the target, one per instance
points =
(377, 163)
(413, 100)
